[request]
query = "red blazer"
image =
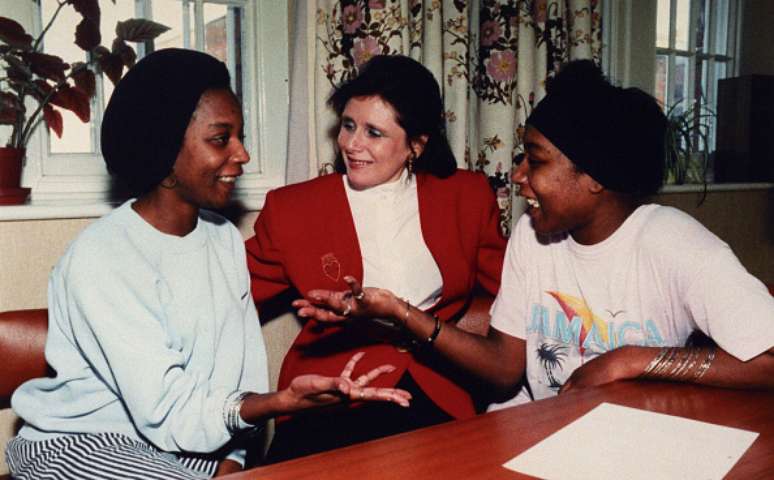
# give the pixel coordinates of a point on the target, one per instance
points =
(305, 238)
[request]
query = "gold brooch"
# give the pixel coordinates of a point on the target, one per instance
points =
(331, 266)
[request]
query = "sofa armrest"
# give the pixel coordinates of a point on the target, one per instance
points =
(22, 342)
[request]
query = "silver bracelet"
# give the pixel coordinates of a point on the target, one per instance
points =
(231, 411)
(664, 365)
(705, 365)
(656, 360)
(690, 354)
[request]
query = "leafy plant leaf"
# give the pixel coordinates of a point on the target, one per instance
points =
(87, 34)
(74, 100)
(13, 34)
(112, 65)
(139, 30)
(45, 65)
(89, 9)
(17, 69)
(41, 89)
(84, 79)
(101, 51)
(53, 120)
(127, 54)
(9, 108)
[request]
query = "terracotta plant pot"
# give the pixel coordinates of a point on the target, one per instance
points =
(11, 191)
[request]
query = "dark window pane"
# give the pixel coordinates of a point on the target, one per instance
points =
(680, 85)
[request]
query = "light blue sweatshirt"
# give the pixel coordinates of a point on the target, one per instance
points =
(148, 335)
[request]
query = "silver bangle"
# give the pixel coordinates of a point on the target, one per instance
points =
(666, 362)
(705, 365)
(656, 360)
(231, 411)
(690, 353)
(692, 364)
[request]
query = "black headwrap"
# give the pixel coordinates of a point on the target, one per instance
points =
(615, 135)
(149, 111)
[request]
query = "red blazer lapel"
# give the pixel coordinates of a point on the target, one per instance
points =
(436, 208)
(334, 239)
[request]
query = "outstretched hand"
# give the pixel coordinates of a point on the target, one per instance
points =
(337, 306)
(307, 391)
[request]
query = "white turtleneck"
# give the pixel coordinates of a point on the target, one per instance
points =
(395, 256)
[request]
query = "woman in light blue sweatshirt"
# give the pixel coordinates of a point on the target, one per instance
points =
(159, 359)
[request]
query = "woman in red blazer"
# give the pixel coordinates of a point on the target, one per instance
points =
(313, 234)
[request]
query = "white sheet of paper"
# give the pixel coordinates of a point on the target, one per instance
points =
(615, 442)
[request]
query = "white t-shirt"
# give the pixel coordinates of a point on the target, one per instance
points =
(656, 279)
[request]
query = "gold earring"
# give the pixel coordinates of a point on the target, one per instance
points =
(410, 163)
(170, 181)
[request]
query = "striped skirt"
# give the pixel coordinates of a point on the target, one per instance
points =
(103, 456)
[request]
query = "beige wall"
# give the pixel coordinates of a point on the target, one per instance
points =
(744, 219)
(29, 251)
(31, 248)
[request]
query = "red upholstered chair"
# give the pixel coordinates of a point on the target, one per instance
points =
(22, 339)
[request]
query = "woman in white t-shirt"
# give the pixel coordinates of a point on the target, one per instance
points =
(597, 284)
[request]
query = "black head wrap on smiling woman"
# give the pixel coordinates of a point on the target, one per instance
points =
(149, 111)
(616, 135)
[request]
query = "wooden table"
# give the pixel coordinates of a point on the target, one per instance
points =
(477, 448)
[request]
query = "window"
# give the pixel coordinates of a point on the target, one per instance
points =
(248, 35)
(695, 47)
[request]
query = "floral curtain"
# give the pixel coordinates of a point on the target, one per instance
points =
(491, 58)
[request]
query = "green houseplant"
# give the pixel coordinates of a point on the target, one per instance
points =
(687, 143)
(51, 83)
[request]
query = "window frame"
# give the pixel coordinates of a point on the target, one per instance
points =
(629, 60)
(694, 56)
(82, 178)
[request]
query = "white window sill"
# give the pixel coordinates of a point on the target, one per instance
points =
(70, 209)
(79, 208)
(715, 187)
(49, 209)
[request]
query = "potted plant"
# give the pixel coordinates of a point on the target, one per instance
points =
(52, 84)
(687, 159)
